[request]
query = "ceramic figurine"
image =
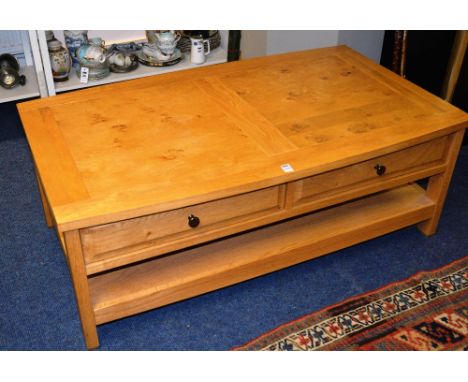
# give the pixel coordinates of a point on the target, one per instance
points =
(93, 56)
(73, 40)
(9, 72)
(60, 60)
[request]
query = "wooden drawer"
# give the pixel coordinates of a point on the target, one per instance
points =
(126, 241)
(366, 177)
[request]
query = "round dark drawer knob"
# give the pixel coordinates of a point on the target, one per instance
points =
(380, 169)
(193, 221)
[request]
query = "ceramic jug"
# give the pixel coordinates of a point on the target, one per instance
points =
(198, 51)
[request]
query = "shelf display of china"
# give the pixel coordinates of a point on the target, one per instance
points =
(60, 60)
(9, 72)
(74, 39)
(93, 55)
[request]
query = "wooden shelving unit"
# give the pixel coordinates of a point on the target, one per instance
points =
(188, 273)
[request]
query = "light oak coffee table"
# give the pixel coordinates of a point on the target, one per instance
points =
(170, 186)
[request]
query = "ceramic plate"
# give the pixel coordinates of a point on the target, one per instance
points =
(150, 61)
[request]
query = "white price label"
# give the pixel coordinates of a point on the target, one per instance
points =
(84, 75)
(287, 167)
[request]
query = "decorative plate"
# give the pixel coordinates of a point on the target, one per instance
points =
(151, 61)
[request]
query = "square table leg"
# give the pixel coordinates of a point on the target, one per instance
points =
(81, 287)
(438, 185)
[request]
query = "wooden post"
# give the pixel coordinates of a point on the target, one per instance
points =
(438, 185)
(81, 287)
(455, 64)
(234, 45)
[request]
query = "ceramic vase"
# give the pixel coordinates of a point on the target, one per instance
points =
(60, 60)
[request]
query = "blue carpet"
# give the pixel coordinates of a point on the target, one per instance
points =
(37, 305)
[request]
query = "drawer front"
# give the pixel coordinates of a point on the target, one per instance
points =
(377, 170)
(102, 242)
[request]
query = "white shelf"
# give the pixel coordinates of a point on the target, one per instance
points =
(29, 90)
(217, 56)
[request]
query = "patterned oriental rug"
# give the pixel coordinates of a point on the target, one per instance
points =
(428, 311)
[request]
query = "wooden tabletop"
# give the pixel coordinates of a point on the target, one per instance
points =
(138, 147)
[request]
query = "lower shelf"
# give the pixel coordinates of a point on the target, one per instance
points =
(191, 272)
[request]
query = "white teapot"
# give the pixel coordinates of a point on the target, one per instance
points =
(166, 41)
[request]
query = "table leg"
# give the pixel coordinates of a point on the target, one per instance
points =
(45, 204)
(438, 185)
(81, 287)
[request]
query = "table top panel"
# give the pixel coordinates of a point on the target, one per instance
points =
(140, 140)
(154, 144)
